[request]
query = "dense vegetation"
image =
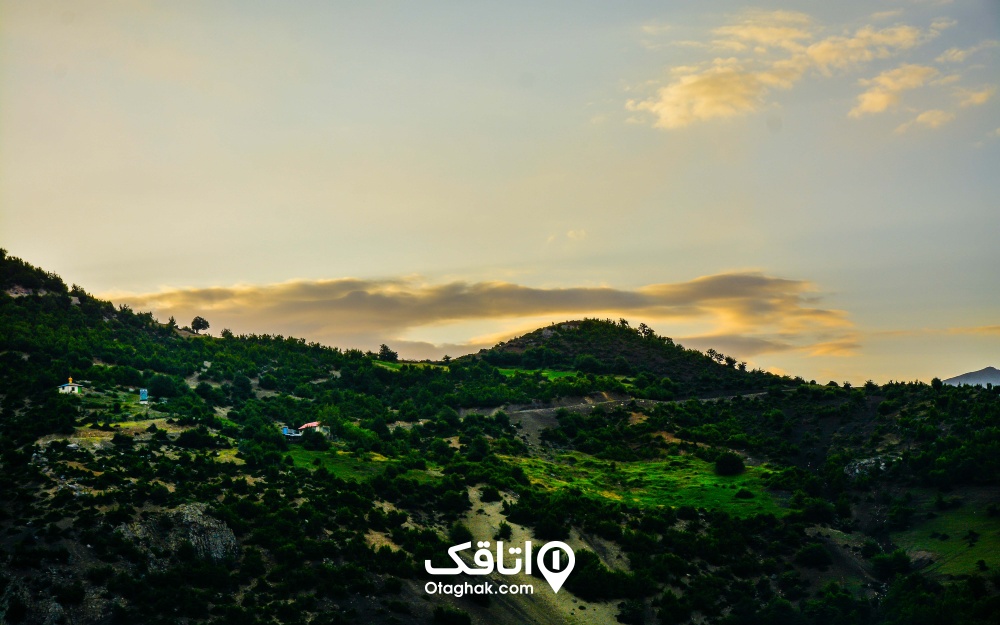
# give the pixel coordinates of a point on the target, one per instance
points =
(729, 496)
(658, 368)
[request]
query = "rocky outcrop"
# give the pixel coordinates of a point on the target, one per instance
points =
(171, 531)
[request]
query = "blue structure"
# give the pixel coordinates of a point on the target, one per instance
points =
(143, 394)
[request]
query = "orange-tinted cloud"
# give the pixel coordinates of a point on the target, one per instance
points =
(934, 118)
(884, 90)
(762, 51)
(959, 55)
(975, 97)
(750, 311)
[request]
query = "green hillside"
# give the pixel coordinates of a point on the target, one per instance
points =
(692, 491)
(604, 346)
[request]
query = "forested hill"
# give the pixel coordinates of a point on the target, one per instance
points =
(688, 495)
(609, 347)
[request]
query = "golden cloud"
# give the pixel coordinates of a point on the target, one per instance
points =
(778, 48)
(782, 29)
(934, 118)
(959, 55)
(751, 311)
(975, 97)
(884, 90)
(720, 92)
(848, 346)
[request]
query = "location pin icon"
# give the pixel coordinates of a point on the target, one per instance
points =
(556, 568)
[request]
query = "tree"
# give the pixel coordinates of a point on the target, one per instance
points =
(163, 386)
(198, 324)
(387, 355)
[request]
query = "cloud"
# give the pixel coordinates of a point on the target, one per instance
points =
(751, 310)
(782, 29)
(776, 50)
(884, 90)
(720, 92)
(934, 118)
(942, 23)
(884, 15)
(655, 27)
(847, 346)
(975, 97)
(865, 45)
(577, 235)
(745, 346)
(959, 55)
(987, 330)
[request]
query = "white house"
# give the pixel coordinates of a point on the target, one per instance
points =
(69, 387)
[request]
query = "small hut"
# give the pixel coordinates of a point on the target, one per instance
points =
(70, 387)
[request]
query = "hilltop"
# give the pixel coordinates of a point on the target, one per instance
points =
(691, 491)
(615, 348)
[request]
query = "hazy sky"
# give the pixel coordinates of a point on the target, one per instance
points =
(809, 186)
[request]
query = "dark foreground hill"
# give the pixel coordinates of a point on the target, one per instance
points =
(789, 503)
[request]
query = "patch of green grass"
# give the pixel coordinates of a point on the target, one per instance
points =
(954, 555)
(396, 366)
(348, 466)
(550, 374)
(674, 482)
(342, 464)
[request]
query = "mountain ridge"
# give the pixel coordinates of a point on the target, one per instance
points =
(987, 375)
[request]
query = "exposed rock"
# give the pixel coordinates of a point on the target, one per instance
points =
(865, 467)
(166, 533)
(54, 613)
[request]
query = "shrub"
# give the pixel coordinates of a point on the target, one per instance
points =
(489, 493)
(814, 556)
(504, 531)
(888, 565)
(450, 616)
(729, 463)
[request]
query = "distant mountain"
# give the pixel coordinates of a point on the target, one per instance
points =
(989, 375)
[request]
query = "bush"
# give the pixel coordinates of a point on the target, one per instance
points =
(814, 556)
(198, 438)
(504, 531)
(314, 441)
(729, 463)
(631, 612)
(588, 364)
(888, 565)
(489, 494)
(458, 534)
(164, 386)
(450, 616)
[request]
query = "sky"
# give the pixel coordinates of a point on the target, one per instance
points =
(808, 186)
